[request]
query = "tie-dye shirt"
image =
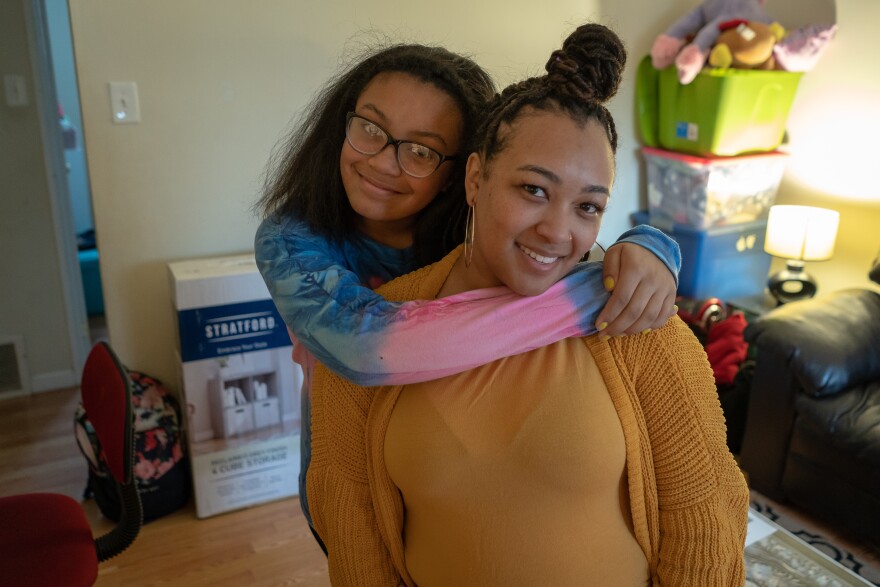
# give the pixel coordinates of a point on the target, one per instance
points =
(318, 287)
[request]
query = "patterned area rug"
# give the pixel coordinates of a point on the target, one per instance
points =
(862, 563)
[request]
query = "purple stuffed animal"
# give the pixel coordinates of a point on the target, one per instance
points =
(702, 22)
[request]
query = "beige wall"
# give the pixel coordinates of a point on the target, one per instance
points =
(834, 128)
(31, 300)
(219, 81)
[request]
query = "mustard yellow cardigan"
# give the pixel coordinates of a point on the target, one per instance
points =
(688, 499)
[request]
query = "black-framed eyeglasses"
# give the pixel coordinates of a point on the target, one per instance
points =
(368, 138)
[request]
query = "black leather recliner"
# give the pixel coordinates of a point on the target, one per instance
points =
(812, 435)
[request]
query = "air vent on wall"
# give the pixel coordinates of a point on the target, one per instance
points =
(14, 377)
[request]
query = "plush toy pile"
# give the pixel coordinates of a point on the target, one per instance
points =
(739, 34)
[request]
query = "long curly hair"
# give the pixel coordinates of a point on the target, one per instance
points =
(303, 177)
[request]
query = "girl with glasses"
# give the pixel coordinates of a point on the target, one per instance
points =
(350, 204)
(586, 461)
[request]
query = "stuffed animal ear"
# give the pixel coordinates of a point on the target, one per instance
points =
(689, 63)
(778, 31)
(664, 51)
(802, 48)
(720, 56)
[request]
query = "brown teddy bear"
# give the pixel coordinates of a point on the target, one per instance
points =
(746, 45)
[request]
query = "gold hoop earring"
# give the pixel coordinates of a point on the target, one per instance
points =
(469, 227)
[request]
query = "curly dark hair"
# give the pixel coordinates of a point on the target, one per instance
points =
(303, 177)
(581, 76)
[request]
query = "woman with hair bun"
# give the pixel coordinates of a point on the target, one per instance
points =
(370, 187)
(588, 461)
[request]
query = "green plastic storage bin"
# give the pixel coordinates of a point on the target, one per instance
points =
(723, 112)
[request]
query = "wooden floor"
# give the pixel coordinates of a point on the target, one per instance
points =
(266, 545)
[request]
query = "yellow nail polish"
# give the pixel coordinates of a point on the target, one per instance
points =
(604, 337)
(646, 331)
(603, 326)
(609, 283)
(675, 309)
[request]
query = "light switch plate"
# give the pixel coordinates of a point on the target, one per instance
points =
(124, 102)
(16, 90)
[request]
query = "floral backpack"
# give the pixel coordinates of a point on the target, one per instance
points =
(161, 467)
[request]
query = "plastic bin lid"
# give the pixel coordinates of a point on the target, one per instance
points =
(688, 158)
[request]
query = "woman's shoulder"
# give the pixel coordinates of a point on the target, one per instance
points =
(669, 353)
(287, 233)
(423, 283)
(673, 337)
(287, 226)
(405, 287)
(287, 243)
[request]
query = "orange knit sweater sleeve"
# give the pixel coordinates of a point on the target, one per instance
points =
(337, 484)
(702, 495)
(340, 498)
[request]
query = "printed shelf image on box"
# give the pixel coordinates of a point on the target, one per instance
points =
(706, 192)
(240, 385)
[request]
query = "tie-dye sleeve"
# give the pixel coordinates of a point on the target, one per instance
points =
(656, 241)
(370, 341)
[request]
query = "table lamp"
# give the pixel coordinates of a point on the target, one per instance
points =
(798, 234)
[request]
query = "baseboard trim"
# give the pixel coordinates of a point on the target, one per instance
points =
(53, 380)
(204, 435)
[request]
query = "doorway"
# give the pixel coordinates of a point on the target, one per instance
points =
(57, 21)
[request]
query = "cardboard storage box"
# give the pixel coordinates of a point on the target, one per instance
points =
(725, 262)
(240, 385)
(703, 192)
(722, 112)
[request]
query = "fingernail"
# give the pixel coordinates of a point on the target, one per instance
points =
(609, 283)
(604, 337)
(646, 331)
(603, 326)
(675, 309)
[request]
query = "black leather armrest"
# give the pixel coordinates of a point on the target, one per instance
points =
(829, 343)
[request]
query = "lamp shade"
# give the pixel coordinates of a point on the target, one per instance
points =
(804, 233)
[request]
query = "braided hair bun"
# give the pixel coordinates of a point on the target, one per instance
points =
(581, 77)
(590, 64)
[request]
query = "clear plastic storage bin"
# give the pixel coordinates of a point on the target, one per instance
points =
(703, 192)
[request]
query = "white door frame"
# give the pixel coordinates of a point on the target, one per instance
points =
(62, 214)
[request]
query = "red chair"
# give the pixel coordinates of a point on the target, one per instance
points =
(45, 538)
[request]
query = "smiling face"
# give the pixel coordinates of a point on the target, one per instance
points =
(539, 203)
(386, 199)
